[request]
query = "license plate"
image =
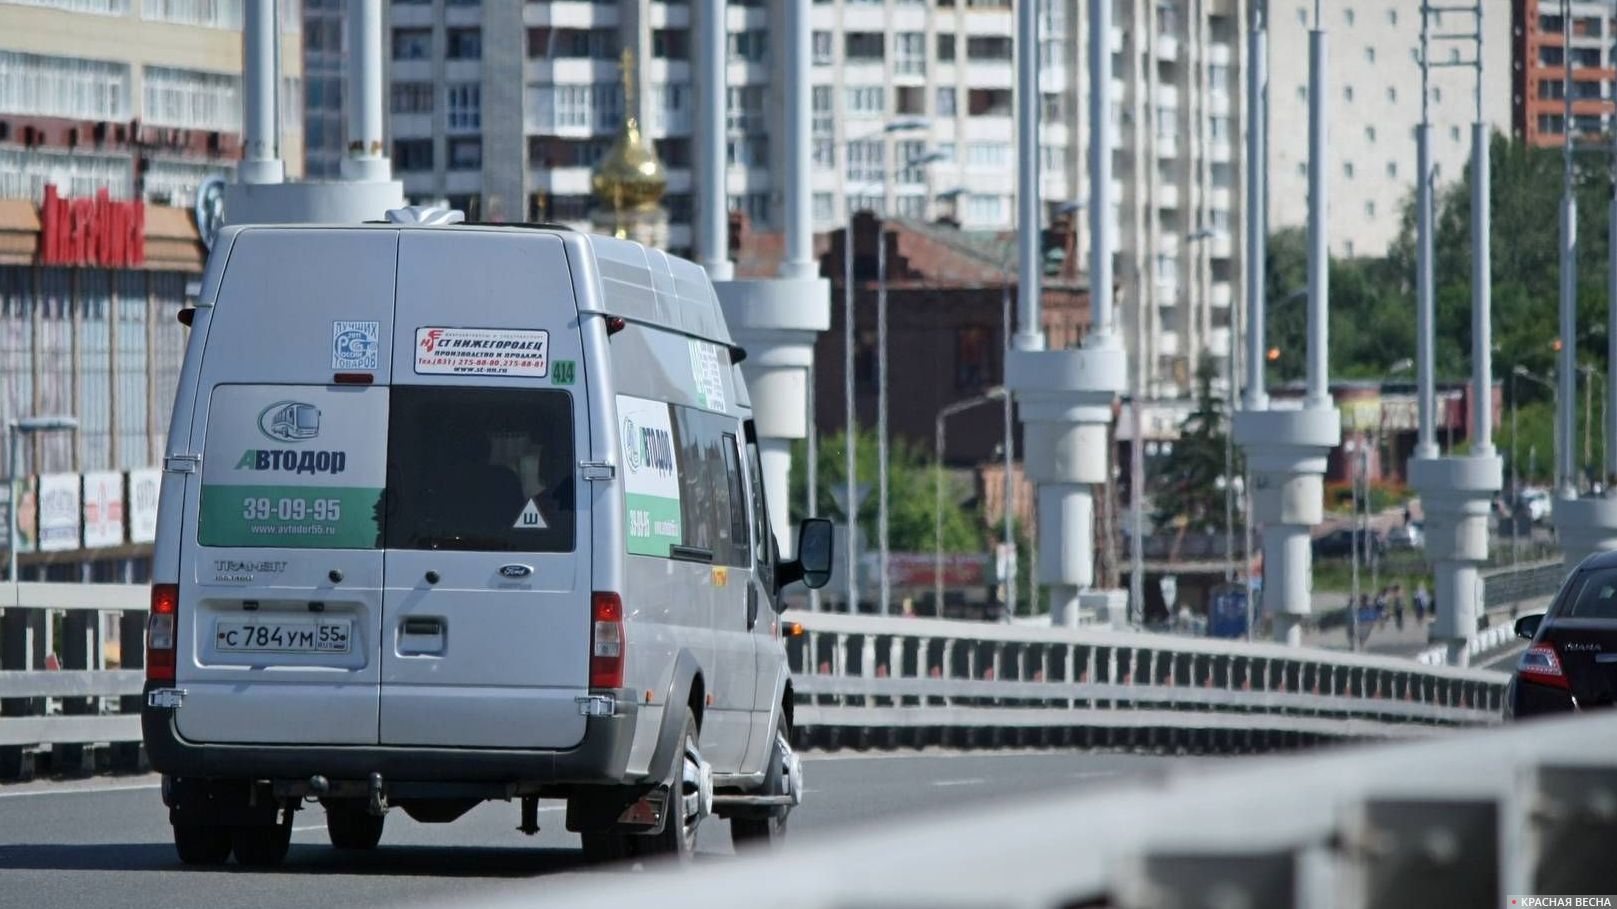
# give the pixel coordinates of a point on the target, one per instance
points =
(327, 636)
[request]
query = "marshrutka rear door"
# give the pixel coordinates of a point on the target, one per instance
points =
(486, 612)
(281, 571)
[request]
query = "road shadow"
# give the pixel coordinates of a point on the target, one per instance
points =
(389, 861)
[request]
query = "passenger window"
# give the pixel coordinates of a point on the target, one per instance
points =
(482, 469)
(738, 501)
(762, 538)
(1595, 597)
(706, 453)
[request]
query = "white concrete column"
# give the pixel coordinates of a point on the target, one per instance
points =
(709, 46)
(366, 161)
(261, 162)
(775, 457)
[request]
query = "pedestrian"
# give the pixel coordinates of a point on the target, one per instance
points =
(1423, 602)
(1381, 608)
(1398, 606)
(1407, 515)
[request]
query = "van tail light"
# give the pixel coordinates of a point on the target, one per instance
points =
(606, 641)
(1540, 663)
(160, 633)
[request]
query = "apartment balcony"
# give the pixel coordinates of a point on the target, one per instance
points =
(1220, 245)
(1220, 197)
(1168, 96)
(1218, 342)
(411, 126)
(1168, 196)
(1220, 54)
(1118, 91)
(1220, 152)
(1167, 47)
(1223, 295)
(1167, 147)
(989, 74)
(1168, 344)
(1117, 40)
(1218, 103)
(562, 181)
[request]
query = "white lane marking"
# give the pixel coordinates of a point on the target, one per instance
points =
(306, 828)
(972, 781)
(80, 790)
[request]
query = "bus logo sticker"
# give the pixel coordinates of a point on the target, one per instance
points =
(530, 518)
(354, 344)
(289, 421)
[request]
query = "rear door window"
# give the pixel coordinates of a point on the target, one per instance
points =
(710, 485)
(1593, 596)
(480, 469)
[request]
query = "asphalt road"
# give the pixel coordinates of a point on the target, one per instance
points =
(106, 842)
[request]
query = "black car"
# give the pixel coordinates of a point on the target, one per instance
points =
(1339, 543)
(1572, 661)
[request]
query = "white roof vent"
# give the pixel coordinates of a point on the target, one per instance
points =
(425, 214)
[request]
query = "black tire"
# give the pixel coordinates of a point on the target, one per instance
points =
(768, 828)
(262, 846)
(202, 844)
(351, 826)
(678, 836)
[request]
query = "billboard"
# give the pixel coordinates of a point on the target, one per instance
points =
(103, 508)
(144, 485)
(59, 512)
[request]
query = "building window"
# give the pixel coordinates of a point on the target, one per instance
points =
(191, 99)
(907, 154)
(909, 53)
(412, 43)
(1347, 169)
(1370, 209)
(987, 210)
(945, 48)
(412, 97)
(823, 206)
(988, 47)
(866, 101)
(464, 101)
(946, 100)
(910, 206)
(1347, 93)
(822, 48)
(751, 45)
(465, 154)
(1392, 94)
(1454, 133)
(865, 162)
(465, 43)
(988, 155)
(1348, 15)
(864, 47)
(412, 154)
(669, 44)
(1392, 169)
(63, 87)
(1369, 55)
(973, 357)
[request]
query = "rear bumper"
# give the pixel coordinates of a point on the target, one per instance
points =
(1531, 699)
(602, 757)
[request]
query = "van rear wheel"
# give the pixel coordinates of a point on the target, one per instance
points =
(202, 844)
(690, 786)
(351, 826)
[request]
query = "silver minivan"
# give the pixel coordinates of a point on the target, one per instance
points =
(459, 512)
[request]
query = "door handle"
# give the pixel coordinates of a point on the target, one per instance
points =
(752, 605)
(423, 626)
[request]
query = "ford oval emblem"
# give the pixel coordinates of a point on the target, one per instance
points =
(515, 571)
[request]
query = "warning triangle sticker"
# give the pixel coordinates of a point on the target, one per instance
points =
(530, 518)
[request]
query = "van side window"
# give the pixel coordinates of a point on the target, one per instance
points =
(762, 538)
(738, 500)
(480, 469)
(704, 444)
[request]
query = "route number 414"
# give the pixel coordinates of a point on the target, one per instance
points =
(562, 372)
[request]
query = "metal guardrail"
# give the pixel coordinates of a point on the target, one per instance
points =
(888, 682)
(1505, 586)
(869, 680)
(1463, 821)
(82, 703)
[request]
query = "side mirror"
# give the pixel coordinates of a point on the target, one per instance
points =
(813, 563)
(1527, 626)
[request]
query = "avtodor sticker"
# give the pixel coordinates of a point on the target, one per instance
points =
(482, 352)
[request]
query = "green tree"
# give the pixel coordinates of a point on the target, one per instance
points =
(911, 494)
(1189, 488)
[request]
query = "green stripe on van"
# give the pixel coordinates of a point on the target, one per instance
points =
(293, 517)
(654, 524)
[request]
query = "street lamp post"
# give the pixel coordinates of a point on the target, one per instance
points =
(993, 394)
(850, 435)
(15, 430)
(1555, 406)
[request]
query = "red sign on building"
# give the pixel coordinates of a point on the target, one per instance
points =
(95, 231)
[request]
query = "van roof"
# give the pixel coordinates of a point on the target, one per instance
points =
(638, 283)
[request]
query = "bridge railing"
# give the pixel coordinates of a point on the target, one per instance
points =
(874, 681)
(1466, 820)
(84, 703)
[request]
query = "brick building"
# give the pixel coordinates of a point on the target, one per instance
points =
(1544, 43)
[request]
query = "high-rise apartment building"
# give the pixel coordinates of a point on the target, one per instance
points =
(324, 51)
(502, 109)
(1545, 41)
(1374, 105)
(141, 98)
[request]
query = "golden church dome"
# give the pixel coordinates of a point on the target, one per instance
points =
(630, 175)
